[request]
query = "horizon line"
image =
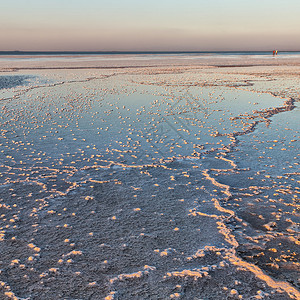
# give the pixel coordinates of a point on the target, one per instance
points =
(133, 51)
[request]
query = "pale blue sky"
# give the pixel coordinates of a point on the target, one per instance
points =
(149, 25)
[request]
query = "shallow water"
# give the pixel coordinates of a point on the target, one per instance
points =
(118, 119)
(173, 179)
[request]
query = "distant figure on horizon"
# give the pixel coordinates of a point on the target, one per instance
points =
(275, 52)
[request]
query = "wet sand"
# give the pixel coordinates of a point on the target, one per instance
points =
(157, 180)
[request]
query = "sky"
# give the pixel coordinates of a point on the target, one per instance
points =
(153, 25)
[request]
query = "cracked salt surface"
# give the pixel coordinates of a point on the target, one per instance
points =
(148, 185)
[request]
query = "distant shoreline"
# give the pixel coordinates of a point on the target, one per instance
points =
(42, 61)
(140, 52)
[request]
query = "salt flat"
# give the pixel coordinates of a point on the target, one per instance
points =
(149, 179)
